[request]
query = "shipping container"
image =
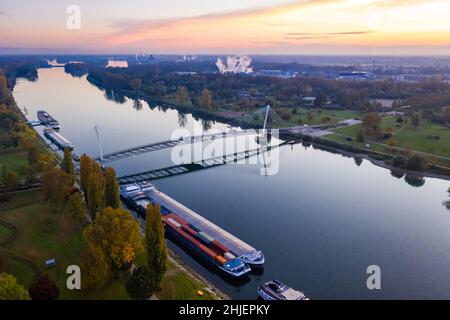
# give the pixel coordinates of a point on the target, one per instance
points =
(204, 237)
(229, 256)
(218, 247)
(221, 259)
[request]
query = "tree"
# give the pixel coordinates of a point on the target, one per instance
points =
(67, 164)
(391, 142)
(95, 267)
(136, 84)
(85, 171)
(415, 119)
(95, 190)
(416, 163)
(182, 96)
(118, 234)
(140, 284)
(155, 244)
(56, 186)
(11, 179)
(32, 155)
(44, 289)
(446, 114)
(75, 208)
(112, 198)
(371, 122)
(10, 289)
(360, 137)
(206, 99)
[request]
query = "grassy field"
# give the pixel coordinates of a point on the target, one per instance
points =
(44, 235)
(420, 139)
(302, 114)
(13, 160)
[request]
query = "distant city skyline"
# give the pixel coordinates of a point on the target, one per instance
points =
(340, 27)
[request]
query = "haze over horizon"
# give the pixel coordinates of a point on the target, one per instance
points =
(321, 27)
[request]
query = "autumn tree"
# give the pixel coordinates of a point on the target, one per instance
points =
(56, 186)
(140, 284)
(415, 119)
(155, 244)
(10, 289)
(112, 198)
(136, 84)
(95, 267)
(95, 189)
(360, 137)
(75, 208)
(67, 164)
(182, 96)
(85, 170)
(44, 289)
(371, 122)
(118, 235)
(206, 99)
(391, 142)
(11, 179)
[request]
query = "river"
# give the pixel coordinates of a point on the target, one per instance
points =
(321, 220)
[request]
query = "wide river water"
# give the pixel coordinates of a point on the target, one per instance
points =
(321, 220)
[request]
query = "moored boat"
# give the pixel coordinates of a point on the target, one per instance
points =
(276, 290)
(203, 238)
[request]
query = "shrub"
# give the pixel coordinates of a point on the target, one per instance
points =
(44, 289)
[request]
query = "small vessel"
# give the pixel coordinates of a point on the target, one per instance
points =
(276, 290)
(47, 120)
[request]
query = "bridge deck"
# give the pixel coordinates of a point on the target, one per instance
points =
(130, 152)
(190, 167)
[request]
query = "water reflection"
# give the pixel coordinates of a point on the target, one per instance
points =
(358, 161)
(207, 124)
(397, 173)
(137, 105)
(414, 180)
(182, 119)
(114, 96)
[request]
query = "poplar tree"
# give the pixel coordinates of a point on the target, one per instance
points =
(95, 190)
(112, 198)
(67, 164)
(85, 170)
(155, 245)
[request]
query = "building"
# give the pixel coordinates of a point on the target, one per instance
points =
(308, 101)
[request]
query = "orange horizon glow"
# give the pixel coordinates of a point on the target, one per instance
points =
(323, 26)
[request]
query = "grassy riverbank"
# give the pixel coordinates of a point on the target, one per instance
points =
(40, 234)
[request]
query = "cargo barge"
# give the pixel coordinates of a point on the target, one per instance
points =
(203, 238)
(47, 120)
(57, 139)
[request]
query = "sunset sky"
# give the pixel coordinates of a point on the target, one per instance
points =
(413, 27)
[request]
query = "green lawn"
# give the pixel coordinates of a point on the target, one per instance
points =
(419, 139)
(5, 233)
(13, 160)
(178, 285)
(334, 115)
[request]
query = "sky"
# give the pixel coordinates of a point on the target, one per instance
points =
(335, 27)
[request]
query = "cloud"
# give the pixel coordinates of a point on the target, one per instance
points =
(3, 13)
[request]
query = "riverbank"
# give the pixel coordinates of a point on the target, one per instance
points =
(237, 119)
